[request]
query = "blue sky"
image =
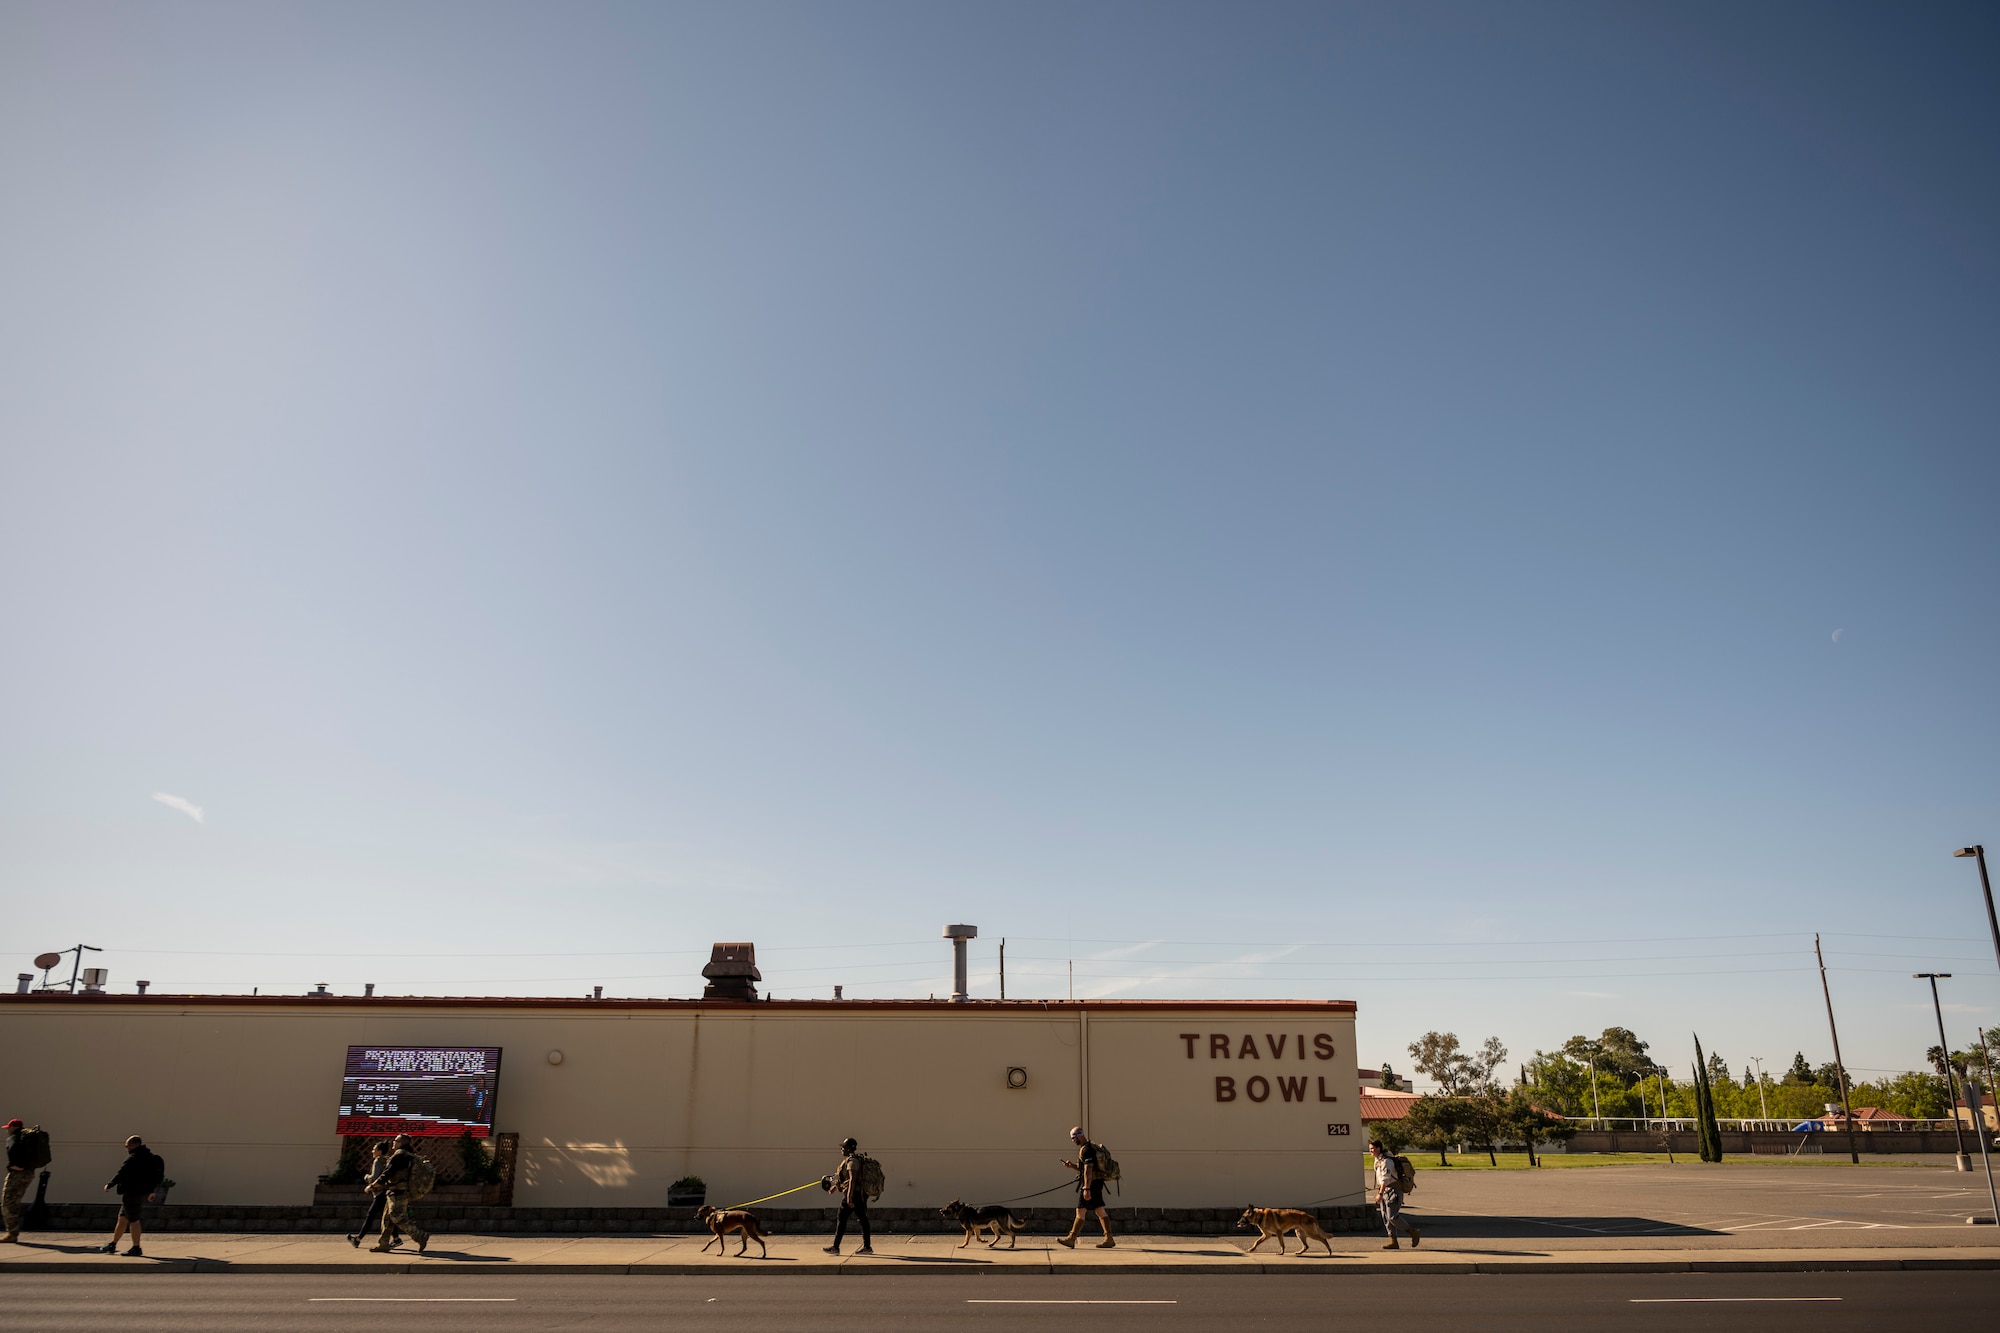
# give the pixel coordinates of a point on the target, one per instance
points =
(1487, 511)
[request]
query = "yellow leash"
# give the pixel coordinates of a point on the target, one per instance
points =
(768, 1197)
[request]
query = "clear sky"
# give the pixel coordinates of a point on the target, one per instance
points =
(1490, 511)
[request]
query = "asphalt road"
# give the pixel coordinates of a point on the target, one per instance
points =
(1629, 1303)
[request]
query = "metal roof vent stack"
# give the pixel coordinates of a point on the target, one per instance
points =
(369, 990)
(25, 976)
(23, 981)
(142, 986)
(731, 972)
(958, 935)
(94, 979)
(321, 989)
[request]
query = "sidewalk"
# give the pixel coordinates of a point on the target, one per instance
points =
(473, 1254)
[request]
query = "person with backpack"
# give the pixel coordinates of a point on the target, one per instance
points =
(856, 1179)
(1091, 1173)
(1394, 1178)
(139, 1176)
(406, 1178)
(27, 1153)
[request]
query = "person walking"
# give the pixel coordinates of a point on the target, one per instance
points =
(139, 1175)
(393, 1182)
(849, 1180)
(1089, 1190)
(379, 1159)
(22, 1163)
(1389, 1197)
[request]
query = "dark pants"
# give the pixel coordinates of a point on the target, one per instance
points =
(132, 1205)
(377, 1202)
(859, 1210)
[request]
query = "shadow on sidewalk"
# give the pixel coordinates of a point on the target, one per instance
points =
(1473, 1226)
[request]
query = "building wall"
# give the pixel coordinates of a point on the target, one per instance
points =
(240, 1097)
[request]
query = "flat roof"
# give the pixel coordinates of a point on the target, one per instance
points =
(158, 999)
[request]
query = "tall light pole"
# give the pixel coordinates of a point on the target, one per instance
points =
(1978, 853)
(1944, 1053)
(1762, 1100)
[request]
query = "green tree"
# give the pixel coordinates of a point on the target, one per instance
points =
(1618, 1051)
(1521, 1117)
(1435, 1123)
(1388, 1079)
(1441, 1055)
(1800, 1072)
(1708, 1132)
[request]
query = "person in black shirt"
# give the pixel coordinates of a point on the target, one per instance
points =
(1089, 1191)
(141, 1174)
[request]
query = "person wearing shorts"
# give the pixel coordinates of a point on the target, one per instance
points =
(139, 1176)
(1089, 1191)
(1389, 1198)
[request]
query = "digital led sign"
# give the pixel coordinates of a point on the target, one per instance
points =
(420, 1090)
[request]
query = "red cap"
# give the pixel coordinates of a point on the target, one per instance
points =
(15, 1123)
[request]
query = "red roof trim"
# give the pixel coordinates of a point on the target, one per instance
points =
(157, 1000)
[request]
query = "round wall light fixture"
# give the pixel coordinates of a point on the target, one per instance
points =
(555, 1057)
(1017, 1077)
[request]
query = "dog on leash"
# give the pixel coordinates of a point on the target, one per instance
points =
(739, 1220)
(1269, 1222)
(992, 1217)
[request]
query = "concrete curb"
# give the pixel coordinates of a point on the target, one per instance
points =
(1320, 1267)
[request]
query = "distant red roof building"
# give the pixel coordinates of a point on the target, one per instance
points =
(1381, 1104)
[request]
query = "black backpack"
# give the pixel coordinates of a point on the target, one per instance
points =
(33, 1145)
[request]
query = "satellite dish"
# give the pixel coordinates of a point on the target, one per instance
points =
(45, 961)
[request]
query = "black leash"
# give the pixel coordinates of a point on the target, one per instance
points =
(1067, 1184)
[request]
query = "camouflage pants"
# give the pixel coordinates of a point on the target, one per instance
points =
(396, 1218)
(11, 1195)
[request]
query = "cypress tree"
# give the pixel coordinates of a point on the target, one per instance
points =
(1708, 1130)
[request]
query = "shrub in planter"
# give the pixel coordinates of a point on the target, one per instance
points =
(687, 1192)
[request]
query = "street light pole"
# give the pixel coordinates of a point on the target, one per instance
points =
(1978, 853)
(1762, 1100)
(1944, 1054)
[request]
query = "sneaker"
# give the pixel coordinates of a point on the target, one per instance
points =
(108, 1247)
(135, 1253)
(866, 1249)
(832, 1249)
(354, 1239)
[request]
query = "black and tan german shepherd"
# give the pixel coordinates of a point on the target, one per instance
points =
(992, 1217)
(1269, 1222)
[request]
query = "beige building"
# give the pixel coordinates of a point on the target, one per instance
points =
(1205, 1104)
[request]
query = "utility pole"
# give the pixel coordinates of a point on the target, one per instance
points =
(1839, 1066)
(76, 969)
(1003, 970)
(1762, 1100)
(1596, 1111)
(1944, 1055)
(1660, 1077)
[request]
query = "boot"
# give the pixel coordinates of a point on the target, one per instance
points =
(11, 1238)
(1069, 1242)
(1392, 1245)
(1416, 1237)
(1107, 1243)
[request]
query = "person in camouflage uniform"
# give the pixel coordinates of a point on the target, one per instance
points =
(847, 1182)
(394, 1181)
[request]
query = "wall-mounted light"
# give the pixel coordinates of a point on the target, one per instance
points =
(555, 1057)
(1017, 1077)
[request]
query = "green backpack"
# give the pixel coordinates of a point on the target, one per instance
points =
(423, 1177)
(1107, 1165)
(873, 1182)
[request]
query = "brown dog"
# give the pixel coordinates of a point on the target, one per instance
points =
(976, 1220)
(1271, 1222)
(738, 1220)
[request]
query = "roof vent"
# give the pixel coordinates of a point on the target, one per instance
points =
(731, 972)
